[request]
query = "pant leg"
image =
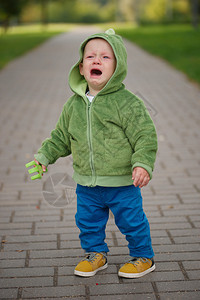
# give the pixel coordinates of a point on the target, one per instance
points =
(91, 218)
(131, 220)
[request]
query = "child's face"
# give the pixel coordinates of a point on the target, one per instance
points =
(98, 64)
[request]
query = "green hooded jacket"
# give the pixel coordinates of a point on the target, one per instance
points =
(108, 137)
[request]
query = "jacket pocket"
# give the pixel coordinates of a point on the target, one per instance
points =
(79, 154)
(118, 153)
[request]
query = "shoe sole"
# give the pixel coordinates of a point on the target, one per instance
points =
(136, 275)
(88, 274)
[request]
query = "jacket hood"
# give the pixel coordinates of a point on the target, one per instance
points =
(78, 83)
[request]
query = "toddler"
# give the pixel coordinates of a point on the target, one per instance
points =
(113, 142)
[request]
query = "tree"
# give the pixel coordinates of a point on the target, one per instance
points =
(44, 9)
(155, 10)
(10, 9)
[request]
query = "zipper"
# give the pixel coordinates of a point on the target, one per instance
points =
(89, 134)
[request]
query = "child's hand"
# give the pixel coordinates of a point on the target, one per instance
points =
(44, 168)
(140, 177)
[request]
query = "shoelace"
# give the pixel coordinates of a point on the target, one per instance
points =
(92, 256)
(136, 261)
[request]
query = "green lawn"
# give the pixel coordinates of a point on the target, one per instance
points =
(177, 44)
(21, 39)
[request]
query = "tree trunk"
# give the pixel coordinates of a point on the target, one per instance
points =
(195, 13)
(6, 23)
(44, 12)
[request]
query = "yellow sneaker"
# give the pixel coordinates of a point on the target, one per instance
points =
(137, 267)
(92, 263)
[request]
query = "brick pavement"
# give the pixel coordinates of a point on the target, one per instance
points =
(39, 242)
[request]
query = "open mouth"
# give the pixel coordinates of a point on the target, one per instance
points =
(96, 72)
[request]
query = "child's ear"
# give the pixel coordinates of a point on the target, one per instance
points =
(81, 68)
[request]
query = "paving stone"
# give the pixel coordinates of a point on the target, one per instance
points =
(31, 238)
(8, 293)
(118, 242)
(194, 256)
(161, 241)
(55, 224)
(181, 207)
(53, 262)
(179, 296)
(12, 255)
(30, 246)
(55, 230)
(15, 226)
(192, 265)
(36, 212)
(178, 286)
(5, 219)
(175, 219)
(26, 282)
(70, 244)
(125, 297)
(119, 250)
(177, 248)
(111, 289)
(195, 218)
(167, 266)
(14, 263)
(194, 274)
(69, 236)
(186, 239)
(158, 233)
(36, 219)
(197, 224)
(57, 253)
(185, 225)
(31, 293)
(91, 281)
(27, 272)
(184, 232)
(15, 232)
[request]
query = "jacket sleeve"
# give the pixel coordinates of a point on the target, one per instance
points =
(141, 133)
(58, 145)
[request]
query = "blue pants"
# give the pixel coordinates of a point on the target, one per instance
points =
(93, 204)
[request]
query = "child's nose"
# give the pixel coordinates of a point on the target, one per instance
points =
(97, 60)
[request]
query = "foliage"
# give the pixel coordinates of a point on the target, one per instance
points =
(71, 11)
(159, 11)
(89, 11)
(155, 10)
(8, 9)
(31, 13)
(177, 44)
(81, 11)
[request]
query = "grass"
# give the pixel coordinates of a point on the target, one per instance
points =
(177, 44)
(21, 39)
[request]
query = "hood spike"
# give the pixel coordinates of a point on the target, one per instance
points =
(110, 31)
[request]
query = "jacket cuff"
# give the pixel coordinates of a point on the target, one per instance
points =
(42, 159)
(147, 168)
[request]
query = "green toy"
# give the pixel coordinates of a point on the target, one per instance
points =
(36, 169)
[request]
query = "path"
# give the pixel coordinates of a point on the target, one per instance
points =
(39, 242)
